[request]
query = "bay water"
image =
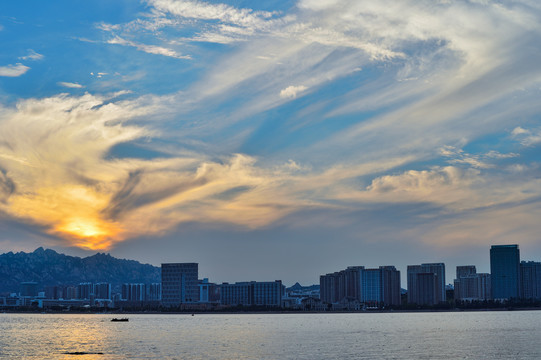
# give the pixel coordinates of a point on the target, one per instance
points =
(416, 335)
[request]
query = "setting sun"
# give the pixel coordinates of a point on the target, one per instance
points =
(93, 234)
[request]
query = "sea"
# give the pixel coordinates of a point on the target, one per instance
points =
(310, 336)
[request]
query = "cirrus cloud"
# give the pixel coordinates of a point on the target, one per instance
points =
(13, 70)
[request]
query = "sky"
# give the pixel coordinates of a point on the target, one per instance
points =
(272, 139)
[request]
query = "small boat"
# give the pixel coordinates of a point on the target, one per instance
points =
(120, 319)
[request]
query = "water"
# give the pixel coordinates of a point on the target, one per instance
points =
(460, 335)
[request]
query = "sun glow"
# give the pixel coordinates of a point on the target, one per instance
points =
(89, 233)
(83, 227)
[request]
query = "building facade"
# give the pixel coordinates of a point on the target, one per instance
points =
(102, 291)
(154, 292)
(530, 278)
(505, 271)
(472, 286)
(133, 292)
(179, 283)
(267, 293)
(373, 287)
(426, 284)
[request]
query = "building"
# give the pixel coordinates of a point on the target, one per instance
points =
(54, 292)
(69, 293)
(29, 289)
(426, 284)
(374, 287)
(154, 292)
(267, 293)
(505, 271)
(102, 291)
(133, 292)
(465, 270)
(372, 292)
(341, 285)
(329, 288)
(391, 286)
(85, 291)
(470, 285)
(208, 292)
(179, 283)
(530, 279)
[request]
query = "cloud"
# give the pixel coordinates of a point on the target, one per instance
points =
(58, 175)
(150, 49)
(99, 74)
(70, 85)
(442, 185)
(437, 78)
(13, 70)
(7, 187)
(207, 11)
(527, 137)
(51, 151)
(292, 91)
(32, 55)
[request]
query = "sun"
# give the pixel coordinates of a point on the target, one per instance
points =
(93, 234)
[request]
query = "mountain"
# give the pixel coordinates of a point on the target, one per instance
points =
(47, 267)
(299, 287)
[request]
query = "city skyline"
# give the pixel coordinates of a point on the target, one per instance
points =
(500, 265)
(280, 136)
(355, 288)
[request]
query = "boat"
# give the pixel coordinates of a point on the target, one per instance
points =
(120, 319)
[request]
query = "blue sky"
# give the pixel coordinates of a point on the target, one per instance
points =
(271, 139)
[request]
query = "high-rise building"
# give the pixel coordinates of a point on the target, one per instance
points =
(465, 270)
(424, 289)
(179, 283)
(505, 271)
(85, 291)
(154, 292)
(372, 291)
(330, 287)
(54, 292)
(352, 280)
(427, 288)
(70, 292)
(374, 287)
(392, 290)
(530, 278)
(133, 292)
(470, 285)
(29, 289)
(102, 291)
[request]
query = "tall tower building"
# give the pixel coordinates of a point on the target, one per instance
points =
(505, 271)
(392, 292)
(179, 283)
(426, 284)
(530, 279)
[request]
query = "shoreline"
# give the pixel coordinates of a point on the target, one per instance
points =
(281, 312)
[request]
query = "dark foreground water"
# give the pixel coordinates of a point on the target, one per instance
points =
(461, 335)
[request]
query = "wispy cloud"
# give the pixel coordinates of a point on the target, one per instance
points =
(527, 137)
(151, 49)
(32, 55)
(13, 70)
(436, 77)
(70, 85)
